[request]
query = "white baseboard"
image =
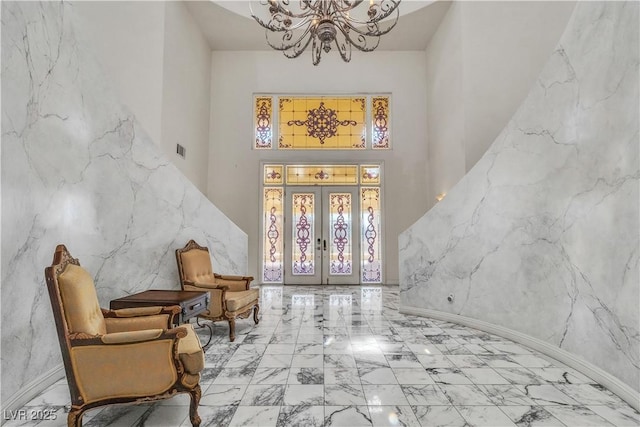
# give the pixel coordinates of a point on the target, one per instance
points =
(32, 389)
(624, 391)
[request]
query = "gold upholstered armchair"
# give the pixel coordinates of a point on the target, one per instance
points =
(231, 296)
(119, 356)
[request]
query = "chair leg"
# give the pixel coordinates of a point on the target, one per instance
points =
(232, 329)
(74, 419)
(256, 309)
(193, 407)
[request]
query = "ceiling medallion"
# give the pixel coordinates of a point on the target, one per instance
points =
(291, 25)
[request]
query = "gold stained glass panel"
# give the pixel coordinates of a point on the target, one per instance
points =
(380, 124)
(273, 174)
(322, 174)
(263, 121)
(322, 123)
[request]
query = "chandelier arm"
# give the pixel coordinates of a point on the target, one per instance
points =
(386, 9)
(296, 51)
(352, 4)
(284, 44)
(306, 11)
(276, 23)
(345, 49)
(316, 51)
(348, 6)
(371, 29)
(357, 25)
(362, 41)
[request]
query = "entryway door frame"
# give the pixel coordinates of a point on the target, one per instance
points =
(276, 228)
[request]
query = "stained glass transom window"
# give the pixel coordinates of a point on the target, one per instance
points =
(322, 175)
(340, 227)
(322, 123)
(370, 235)
(263, 121)
(303, 262)
(273, 266)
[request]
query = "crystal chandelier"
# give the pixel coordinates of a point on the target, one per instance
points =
(291, 25)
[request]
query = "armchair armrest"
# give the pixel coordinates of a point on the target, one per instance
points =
(131, 336)
(140, 318)
(207, 285)
(232, 277)
(235, 283)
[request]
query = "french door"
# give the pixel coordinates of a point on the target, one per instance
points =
(322, 244)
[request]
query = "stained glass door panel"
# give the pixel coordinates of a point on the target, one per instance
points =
(303, 237)
(341, 234)
(340, 230)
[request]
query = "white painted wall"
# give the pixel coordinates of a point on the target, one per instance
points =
(158, 61)
(234, 168)
(185, 100)
(481, 63)
(445, 106)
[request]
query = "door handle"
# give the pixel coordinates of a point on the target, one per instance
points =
(318, 247)
(324, 244)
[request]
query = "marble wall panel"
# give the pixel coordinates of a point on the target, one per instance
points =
(78, 169)
(542, 235)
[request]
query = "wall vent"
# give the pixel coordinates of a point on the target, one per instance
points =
(182, 152)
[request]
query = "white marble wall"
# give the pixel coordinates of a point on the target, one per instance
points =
(78, 169)
(542, 235)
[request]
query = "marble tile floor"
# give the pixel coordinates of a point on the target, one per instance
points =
(345, 356)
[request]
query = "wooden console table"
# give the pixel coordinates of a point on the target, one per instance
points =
(191, 303)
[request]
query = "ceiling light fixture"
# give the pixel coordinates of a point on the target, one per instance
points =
(291, 25)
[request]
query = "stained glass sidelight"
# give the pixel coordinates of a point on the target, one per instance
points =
(272, 262)
(321, 122)
(380, 126)
(303, 262)
(370, 235)
(340, 229)
(263, 121)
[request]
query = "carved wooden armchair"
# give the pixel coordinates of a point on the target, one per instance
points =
(120, 356)
(231, 296)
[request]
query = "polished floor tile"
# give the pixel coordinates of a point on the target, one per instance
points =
(345, 356)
